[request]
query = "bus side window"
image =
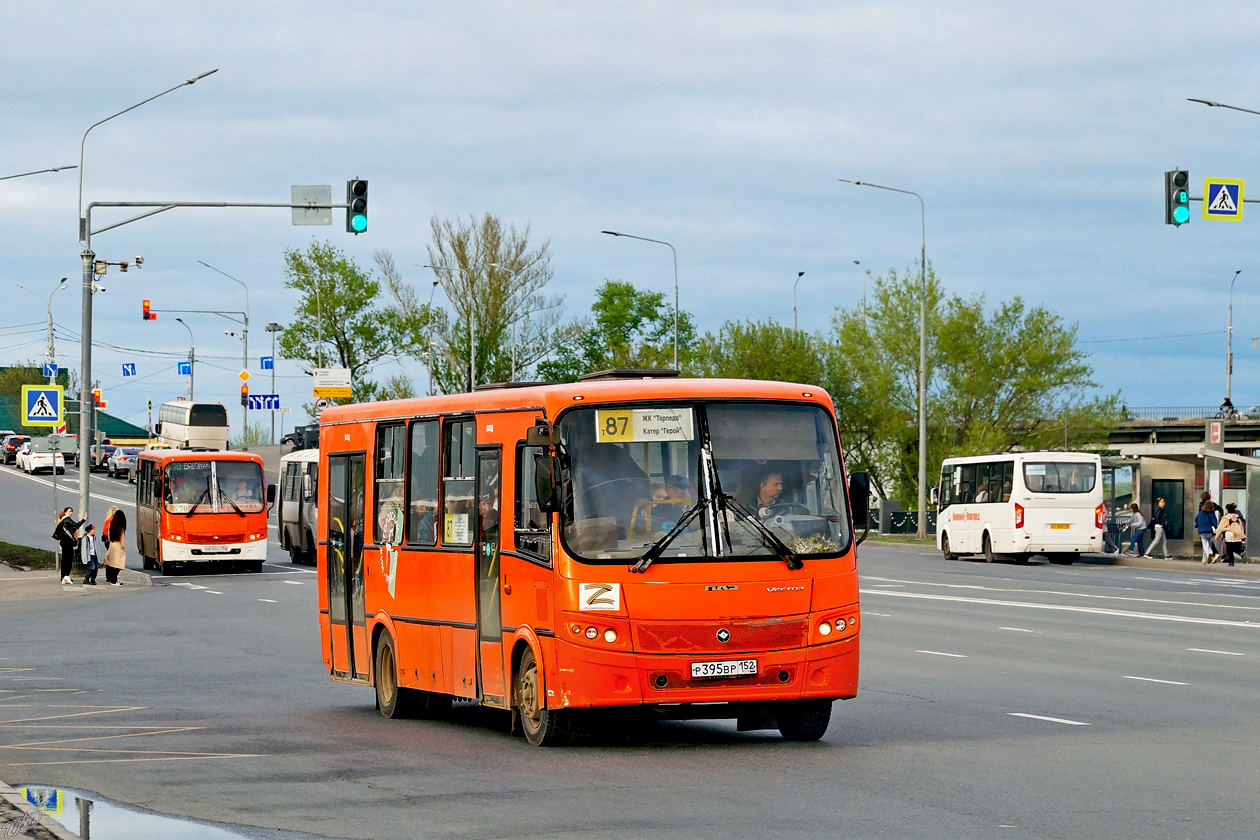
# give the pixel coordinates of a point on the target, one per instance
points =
(946, 487)
(390, 458)
(288, 493)
(423, 476)
(1008, 476)
(533, 526)
(457, 483)
(967, 489)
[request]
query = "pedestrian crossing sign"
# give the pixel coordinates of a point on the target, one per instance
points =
(43, 405)
(1223, 199)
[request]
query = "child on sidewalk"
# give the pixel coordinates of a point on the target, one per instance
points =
(89, 557)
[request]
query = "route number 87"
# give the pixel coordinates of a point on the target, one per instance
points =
(614, 426)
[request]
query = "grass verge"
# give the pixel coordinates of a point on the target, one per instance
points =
(27, 557)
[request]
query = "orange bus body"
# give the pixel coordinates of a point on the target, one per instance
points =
(218, 532)
(640, 650)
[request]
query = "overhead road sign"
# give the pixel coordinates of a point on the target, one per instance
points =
(316, 201)
(129, 368)
(264, 402)
(267, 363)
(44, 405)
(50, 368)
(1223, 199)
(184, 368)
(332, 382)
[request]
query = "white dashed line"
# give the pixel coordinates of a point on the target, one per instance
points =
(938, 653)
(294, 582)
(213, 592)
(1152, 679)
(1222, 652)
(1050, 719)
(881, 615)
(1019, 629)
(268, 600)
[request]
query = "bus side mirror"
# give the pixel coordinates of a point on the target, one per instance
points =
(860, 501)
(935, 496)
(271, 494)
(308, 488)
(157, 428)
(538, 435)
(546, 474)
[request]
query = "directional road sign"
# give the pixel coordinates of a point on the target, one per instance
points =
(308, 195)
(50, 368)
(43, 405)
(1223, 199)
(129, 368)
(332, 382)
(184, 368)
(267, 363)
(264, 401)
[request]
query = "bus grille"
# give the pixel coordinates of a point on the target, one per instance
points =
(670, 680)
(757, 634)
(212, 539)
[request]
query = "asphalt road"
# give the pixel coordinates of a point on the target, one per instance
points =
(995, 701)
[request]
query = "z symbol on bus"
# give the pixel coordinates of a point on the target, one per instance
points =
(600, 596)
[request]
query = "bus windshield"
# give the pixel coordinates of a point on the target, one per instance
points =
(1059, 476)
(697, 473)
(196, 487)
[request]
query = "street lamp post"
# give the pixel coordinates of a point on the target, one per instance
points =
(36, 172)
(1229, 340)
(244, 352)
(52, 353)
(675, 253)
(88, 257)
(428, 351)
(192, 359)
(921, 533)
(799, 275)
(472, 344)
(273, 328)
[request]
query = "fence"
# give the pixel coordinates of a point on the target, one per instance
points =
(1181, 412)
(904, 522)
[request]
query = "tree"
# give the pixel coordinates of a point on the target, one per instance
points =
(256, 434)
(757, 350)
(338, 321)
(495, 284)
(627, 329)
(31, 372)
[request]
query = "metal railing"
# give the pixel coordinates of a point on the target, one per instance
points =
(1182, 412)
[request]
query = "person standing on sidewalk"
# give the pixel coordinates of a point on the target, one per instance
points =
(1217, 512)
(1233, 532)
(89, 556)
(65, 536)
(1137, 524)
(1159, 528)
(1205, 526)
(116, 554)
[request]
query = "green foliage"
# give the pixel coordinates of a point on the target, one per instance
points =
(25, 557)
(256, 434)
(757, 350)
(628, 329)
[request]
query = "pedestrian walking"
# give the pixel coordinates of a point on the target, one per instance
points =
(1159, 529)
(89, 556)
(67, 538)
(116, 554)
(1216, 512)
(1205, 526)
(1137, 524)
(1233, 532)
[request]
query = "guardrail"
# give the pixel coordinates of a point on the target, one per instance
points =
(1182, 412)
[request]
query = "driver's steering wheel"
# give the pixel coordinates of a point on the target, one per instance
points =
(778, 508)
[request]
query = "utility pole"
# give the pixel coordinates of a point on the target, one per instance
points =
(273, 328)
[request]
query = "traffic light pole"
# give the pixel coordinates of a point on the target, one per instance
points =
(86, 426)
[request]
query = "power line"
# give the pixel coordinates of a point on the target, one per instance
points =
(1151, 337)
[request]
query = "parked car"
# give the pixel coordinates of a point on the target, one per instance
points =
(122, 461)
(68, 445)
(35, 456)
(100, 454)
(11, 445)
(292, 437)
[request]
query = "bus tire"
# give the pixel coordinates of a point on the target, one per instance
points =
(989, 556)
(255, 566)
(1062, 559)
(542, 727)
(309, 554)
(1022, 559)
(391, 699)
(945, 548)
(803, 720)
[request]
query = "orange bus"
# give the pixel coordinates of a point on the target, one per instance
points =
(195, 507)
(681, 546)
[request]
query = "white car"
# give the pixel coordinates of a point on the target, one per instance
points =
(32, 460)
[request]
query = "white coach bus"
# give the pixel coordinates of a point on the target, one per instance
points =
(297, 510)
(1018, 504)
(188, 425)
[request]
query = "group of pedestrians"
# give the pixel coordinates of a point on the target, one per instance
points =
(1158, 527)
(85, 545)
(1223, 534)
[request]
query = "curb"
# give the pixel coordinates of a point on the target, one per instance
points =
(135, 578)
(14, 807)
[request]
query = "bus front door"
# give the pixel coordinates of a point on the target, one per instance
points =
(348, 626)
(489, 605)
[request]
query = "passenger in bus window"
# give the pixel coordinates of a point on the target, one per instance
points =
(1006, 490)
(982, 496)
(389, 515)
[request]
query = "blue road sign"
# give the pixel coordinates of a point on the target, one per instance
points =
(43, 405)
(1223, 199)
(184, 368)
(267, 363)
(129, 368)
(264, 402)
(50, 368)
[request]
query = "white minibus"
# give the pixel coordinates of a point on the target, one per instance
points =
(1018, 504)
(189, 425)
(299, 478)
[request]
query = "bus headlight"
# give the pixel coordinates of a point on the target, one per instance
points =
(825, 627)
(610, 635)
(591, 632)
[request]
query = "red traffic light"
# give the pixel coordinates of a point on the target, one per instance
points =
(148, 316)
(96, 396)
(244, 395)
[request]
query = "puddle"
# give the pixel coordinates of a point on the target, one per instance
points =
(94, 817)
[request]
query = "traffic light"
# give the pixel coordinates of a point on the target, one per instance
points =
(245, 395)
(1176, 197)
(96, 397)
(356, 206)
(148, 316)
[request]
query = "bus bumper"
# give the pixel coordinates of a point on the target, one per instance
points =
(181, 552)
(590, 678)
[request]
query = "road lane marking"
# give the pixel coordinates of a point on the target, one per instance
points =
(1152, 679)
(1019, 629)
(881, 615)
(958, 599)
(938, 653)
(1222, 652)
(294, 582)
(891, 585)
(213, 592)
(1050, 719)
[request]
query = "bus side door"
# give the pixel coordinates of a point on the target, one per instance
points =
(348, 624)
(489, 603)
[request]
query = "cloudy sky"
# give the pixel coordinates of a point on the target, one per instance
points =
(1037, 134)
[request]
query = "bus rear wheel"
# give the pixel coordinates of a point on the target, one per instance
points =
(542, 727)
(989, 555)
(1062, 559)
(803, 720)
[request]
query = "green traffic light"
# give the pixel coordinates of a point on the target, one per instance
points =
(1181, 215)
(359, 222)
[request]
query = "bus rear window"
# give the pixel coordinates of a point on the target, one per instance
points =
(212, 414)
(1060, 476)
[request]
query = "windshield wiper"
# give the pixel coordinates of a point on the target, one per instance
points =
(204, 494)
(660, 545)
(232, 503)
(771, 539)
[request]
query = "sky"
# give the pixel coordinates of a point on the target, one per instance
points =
(1037, 134)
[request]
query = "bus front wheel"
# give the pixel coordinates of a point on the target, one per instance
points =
(542, 727)
(391, 699)
(803, 720)
(1062, 559)
(949, 555)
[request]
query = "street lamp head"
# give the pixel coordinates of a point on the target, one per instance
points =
(800, 274)
(59, 168)
(850, 181)
(611, 232)
(857, 262)
(201, 76)
(1206, 102)
(181, 320)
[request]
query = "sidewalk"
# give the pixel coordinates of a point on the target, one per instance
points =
(40, 584)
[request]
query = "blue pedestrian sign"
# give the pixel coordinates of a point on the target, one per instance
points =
(129, 368)
(1223, 199)
(184, 368)
(267, 362)
(264, 402)
(50, 368)
(43, 405)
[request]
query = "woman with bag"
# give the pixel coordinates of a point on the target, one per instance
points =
(65, 536)
(1159, 529)
(116, 554)
(1231, 528)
